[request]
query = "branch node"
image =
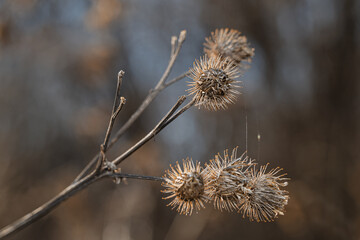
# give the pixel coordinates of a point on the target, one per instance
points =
(114, 170)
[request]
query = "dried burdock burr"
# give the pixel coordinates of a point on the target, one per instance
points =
(214, 85)
(229, 43)
(263, 197)
(226, 175)
(186, 187)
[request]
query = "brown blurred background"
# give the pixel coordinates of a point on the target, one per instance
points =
(58, 66)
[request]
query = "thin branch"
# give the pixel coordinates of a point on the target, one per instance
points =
(129, 123)
(83, 180)
(82, 183)
(94, 176)
(134, 176)
(174, 80)
(181, 111)
(111, 123)
(115, 111)
(87, 167)
(151, 134)
(103, 147)
(119, 102)
(153, 93)
(173, 57)
(149, 98)
(48, 206)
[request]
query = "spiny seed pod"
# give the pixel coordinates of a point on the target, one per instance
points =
(213, 82)
(226, 176)
(263, 199)
(229, 44)
(186, 187)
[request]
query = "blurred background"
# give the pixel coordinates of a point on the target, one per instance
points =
(58, 67)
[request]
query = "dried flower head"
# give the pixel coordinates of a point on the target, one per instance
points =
(213, 82)
(264, 200)
(226, 177)
(186, 187)
(229, 44)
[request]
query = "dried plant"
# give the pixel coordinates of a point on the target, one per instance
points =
(263, 199)
(187, 187)
(230, 44)
(225, 176)
(229, 182)
(213, 83)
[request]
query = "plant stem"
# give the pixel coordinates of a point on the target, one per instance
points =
(153, 93)
(48, 206)
(92, 177)
(135, 176)
(117, 106)
(161, 85)
(151, 134)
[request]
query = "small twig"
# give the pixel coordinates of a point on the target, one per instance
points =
(173, 57)
(117, 106)
(119, 102)
(103, 147)
(149, 98)
(116, 109)
(83, 180)
(151, 134)
(174, 80)
(129, 123)
(181, 111)
(153, 93)
(134, 176)
(92, 177)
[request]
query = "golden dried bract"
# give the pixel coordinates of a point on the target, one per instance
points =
(214, 83)
(226, 176)
(263, 198)
(229, 43)
(186, 186)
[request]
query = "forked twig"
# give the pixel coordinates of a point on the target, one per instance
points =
(176, 44)
(91, 178)
(151, 134)
(154, 92)
(181, 111)
(118, 104)
(101, 171)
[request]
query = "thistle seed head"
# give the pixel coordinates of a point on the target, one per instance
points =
(263, 198)
(213, 82)
(186, 186)
(226, 176)
(229, 44)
